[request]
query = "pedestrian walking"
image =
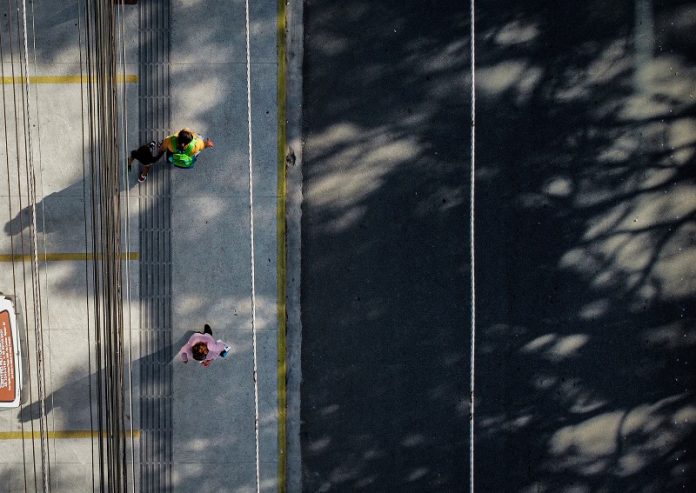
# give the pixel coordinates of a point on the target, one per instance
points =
(147, 154)
(202, 347)
(181, 150)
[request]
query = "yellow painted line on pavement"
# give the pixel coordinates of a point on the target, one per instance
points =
(30, 435)
(64, 79)
(63, 257)
(281, 254)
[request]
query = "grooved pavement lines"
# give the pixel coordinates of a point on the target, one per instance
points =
(155, 248)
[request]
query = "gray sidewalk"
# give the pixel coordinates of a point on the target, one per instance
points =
(213, 412)
(188, 250)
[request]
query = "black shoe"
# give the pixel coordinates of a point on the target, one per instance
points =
(207, 329)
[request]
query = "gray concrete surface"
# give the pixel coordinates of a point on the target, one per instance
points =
(293, 170)
(211, 250)
(212, 434)
(62, 208)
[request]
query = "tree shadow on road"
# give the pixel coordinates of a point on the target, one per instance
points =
(585, 160)
(384, 221)
(585, 222)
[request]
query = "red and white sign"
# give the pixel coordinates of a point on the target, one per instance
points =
(10, 361)
(7, 362)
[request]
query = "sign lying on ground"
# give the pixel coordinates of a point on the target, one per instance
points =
(10, 356)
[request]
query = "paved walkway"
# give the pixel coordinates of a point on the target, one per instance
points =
(188, 250)
(213, 411)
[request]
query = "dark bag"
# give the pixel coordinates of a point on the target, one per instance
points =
(148, 153)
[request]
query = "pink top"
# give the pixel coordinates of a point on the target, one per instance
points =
(214, 347)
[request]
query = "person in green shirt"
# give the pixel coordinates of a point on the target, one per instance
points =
(181, 150)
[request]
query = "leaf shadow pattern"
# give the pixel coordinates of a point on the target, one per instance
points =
(585, 235)
(384, 271)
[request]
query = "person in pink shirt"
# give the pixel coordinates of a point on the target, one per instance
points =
(202, 347)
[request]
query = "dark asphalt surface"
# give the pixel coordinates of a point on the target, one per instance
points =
(384, 298)
(585, 228)
(585, 221)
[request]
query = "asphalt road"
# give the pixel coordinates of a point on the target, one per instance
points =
(585, 220)
(384, 228)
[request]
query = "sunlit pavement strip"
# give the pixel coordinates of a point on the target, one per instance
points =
(24, 435)
(56, 96)
(63, 79)
(63, 257)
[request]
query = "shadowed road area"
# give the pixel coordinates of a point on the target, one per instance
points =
(585, 231)
(585, 236)
(384, 265)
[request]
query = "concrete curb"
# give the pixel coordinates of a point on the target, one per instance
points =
(293, 166)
